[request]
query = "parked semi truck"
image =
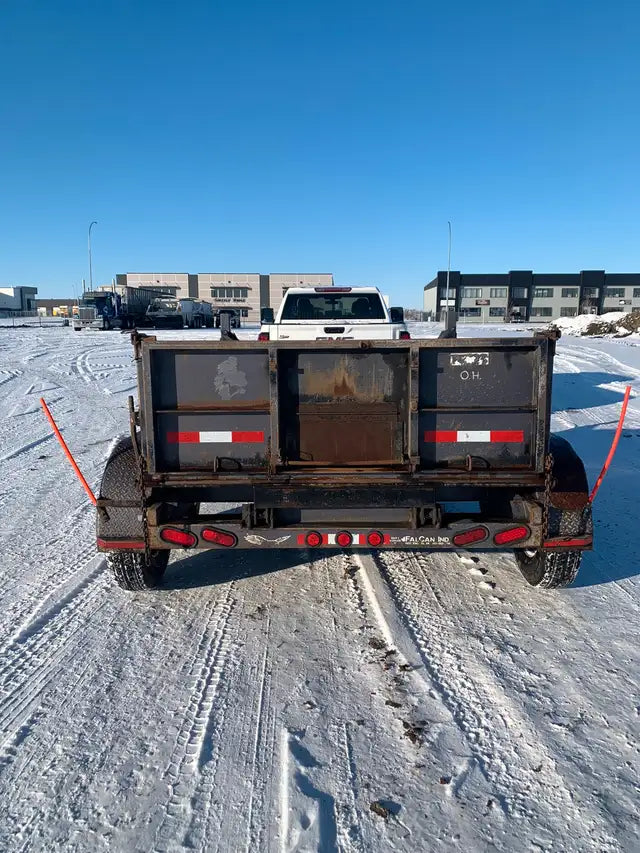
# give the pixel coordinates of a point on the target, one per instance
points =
(171, 313)
(352, 445)
(108, 309)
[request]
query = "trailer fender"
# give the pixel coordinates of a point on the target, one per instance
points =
(570, 488)
(120, 485)
(569, 510)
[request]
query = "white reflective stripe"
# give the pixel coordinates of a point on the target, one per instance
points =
(216, 437)
(474, 435)
(332, 539)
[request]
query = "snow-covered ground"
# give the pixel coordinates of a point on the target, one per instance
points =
(294, 701)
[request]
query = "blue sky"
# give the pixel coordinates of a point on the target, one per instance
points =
(335, 136)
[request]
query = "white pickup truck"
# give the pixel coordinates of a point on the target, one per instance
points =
(333, 314)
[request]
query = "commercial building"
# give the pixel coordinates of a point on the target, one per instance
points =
(534, 297)
(17, 301)
(248, 292)
(51, 307)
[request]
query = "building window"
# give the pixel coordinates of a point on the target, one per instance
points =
(636, 292)
(498, 293)
(591, 292)
(496, 312)
(568, 312)
(470, 312)
(542, 312)
(244, 312)
(569, 293)
(229, 292)
(543, 292)
(471, 292)
(519, 292)
(617, 292)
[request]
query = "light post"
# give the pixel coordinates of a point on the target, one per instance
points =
(448, 275)
(95, 222)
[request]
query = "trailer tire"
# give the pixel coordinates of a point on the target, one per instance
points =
(133, 571)
(549, 569)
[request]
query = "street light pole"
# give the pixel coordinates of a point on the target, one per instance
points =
(95, 222)
(448, 275)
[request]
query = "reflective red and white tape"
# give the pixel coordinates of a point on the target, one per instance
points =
(493, 436)
(220, 437)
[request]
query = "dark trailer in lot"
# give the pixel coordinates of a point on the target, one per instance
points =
(427, 444)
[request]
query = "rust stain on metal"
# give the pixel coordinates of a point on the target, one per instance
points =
(569, 500)
(345, 381)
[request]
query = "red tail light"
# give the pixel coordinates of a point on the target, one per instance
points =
(332, 289)
(470, 537)
(513, 534)
(344, 539)
(219, 537)
(405, 336)
(375, 539)
(313, 539)
(263, 336)
(178, 537)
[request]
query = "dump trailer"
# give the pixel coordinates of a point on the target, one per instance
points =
(427, 445)
(122, 309)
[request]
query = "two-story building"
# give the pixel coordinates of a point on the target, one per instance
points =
(534, 297)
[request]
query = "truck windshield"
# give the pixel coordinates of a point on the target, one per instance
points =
(327, 306)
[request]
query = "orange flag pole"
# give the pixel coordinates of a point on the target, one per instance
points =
(614, 444)
(67, 452)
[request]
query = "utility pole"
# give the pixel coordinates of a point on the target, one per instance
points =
(447, 323)
(95, 222)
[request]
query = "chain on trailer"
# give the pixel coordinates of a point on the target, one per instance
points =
(548, 483)
(141, 469)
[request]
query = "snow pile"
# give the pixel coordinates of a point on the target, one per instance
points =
(618, 324)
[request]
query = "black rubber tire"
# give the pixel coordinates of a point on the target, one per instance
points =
(549, 569)
(132, 571)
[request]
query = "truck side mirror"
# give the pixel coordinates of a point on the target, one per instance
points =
(397, 315)
(266, 316)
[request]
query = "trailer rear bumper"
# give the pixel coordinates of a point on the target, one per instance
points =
(471, 535)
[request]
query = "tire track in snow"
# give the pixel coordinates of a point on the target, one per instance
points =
(72, 715)
(81, 366)
(348, 826)
(598, 358)
(195, 744)
(253, 733)
(33, 653)
(18, 451)
(54, 598)
(255, 827)
(515, 767)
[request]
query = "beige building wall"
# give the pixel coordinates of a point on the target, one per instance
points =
(248, 292)
(279, 283)
(232, 290)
